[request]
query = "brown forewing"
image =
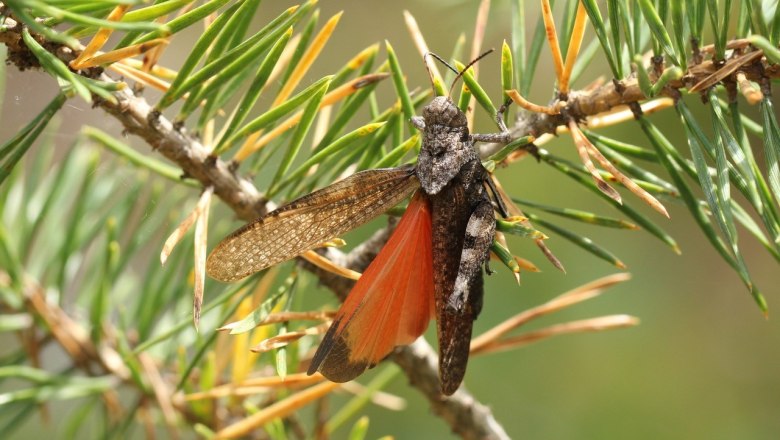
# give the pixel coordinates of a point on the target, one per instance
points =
(312, 219)
(451, 212)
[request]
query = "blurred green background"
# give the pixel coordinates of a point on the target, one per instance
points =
(703, 363)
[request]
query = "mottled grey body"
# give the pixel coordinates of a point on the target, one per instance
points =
(452, 176)
(446, 146)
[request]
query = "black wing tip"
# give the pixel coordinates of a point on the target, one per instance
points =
(332, 358)
(343, 373)
(337, 370)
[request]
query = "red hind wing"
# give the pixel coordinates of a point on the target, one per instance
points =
(390, 305)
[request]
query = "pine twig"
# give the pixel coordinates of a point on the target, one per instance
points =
(465, 415)
(583, 103)
(461, 411)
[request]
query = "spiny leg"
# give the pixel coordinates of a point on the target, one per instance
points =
(476, 246)
(500, 115)
(504, 136)
(502, 209)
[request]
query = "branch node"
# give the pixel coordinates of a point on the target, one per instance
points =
(636, 109)
(697, 57)
(731, 89)
(620, 88)
(658, 65)
(765, 82)
(153, 118)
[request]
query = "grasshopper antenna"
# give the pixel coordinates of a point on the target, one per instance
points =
(471, 63)
(428, 68)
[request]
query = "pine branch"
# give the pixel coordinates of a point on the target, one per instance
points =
(461, 411)
(465, 415)
(584, 103)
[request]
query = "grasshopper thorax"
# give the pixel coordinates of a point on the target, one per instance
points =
(446, 144)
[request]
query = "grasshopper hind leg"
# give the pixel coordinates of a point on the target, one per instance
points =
(476, 247)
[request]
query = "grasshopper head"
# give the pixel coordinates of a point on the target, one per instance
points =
(443, 112)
